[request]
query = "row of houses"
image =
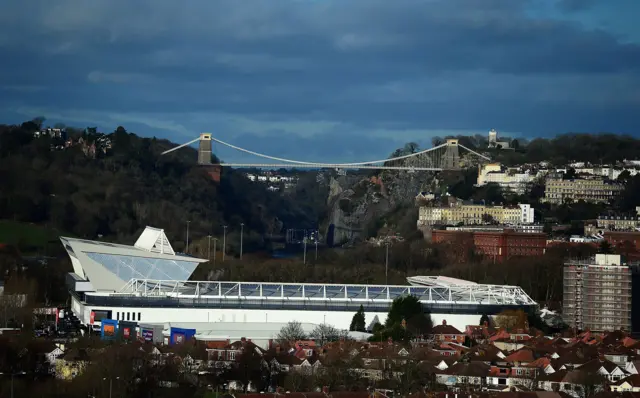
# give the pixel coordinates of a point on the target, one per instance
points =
(479, 359)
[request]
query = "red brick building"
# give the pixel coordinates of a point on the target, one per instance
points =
(499, 245)
(625, 243)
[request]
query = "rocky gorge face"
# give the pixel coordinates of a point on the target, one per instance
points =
(358, 204)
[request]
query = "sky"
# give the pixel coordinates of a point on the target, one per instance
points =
(323, 80)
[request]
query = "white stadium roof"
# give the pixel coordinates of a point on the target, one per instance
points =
(109, 266)
(438, 281)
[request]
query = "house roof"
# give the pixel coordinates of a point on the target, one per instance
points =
(563, 376)
(445, 329)
(484, 353)
(613, 337)
(521, 355)
(541, 362)
(633, 380)
(285, 359)
(472, 369)
(595, 364)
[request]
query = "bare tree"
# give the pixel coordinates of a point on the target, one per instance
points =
(325, 333)
(295, 381)
(588, 383)
(292, 331)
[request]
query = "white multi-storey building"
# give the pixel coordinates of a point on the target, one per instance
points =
(509, 180)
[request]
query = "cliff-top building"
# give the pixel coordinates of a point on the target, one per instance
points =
(494, 143)
(595, 190)
(508, 180)
(474, 214)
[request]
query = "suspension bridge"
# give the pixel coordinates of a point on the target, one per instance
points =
(448, 156)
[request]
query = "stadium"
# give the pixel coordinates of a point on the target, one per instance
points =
(148, 283)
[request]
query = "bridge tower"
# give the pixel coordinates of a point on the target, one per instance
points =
(204, 149)
(204, 157)
(451, 158)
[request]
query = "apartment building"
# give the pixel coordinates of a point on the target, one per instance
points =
(475, 214)
(558, 191)
(597, 293)
(620, 222)
(508, 179)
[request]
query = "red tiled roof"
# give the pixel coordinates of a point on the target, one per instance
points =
(539, 363)
(500, 334)
(522, 355)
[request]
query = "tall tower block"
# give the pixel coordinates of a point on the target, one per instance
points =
(204, 149)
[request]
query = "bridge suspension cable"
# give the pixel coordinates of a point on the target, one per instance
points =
(180, 146)
(292, 161)
(367, 164)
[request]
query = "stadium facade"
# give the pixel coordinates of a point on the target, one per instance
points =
(149, 283)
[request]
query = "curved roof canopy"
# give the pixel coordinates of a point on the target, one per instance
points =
(109, 266)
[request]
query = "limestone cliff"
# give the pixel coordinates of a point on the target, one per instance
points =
(357, 204)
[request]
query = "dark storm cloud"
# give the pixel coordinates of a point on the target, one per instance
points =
(398, 66)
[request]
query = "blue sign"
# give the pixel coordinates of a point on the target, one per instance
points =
(108, 329)
(147, 335)
(179, 335)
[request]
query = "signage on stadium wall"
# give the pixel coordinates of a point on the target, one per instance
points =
(127, 330)
(179, 335)
(109, 328)
(147, 335)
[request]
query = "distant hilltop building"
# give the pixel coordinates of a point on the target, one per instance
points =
(517, 181)
(51, 132)
(494, 143)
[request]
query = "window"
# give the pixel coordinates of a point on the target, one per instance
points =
(232, 355)
(139, 315)
(128, 316)
(117, 316)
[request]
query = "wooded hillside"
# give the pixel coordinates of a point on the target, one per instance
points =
(128, 185)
